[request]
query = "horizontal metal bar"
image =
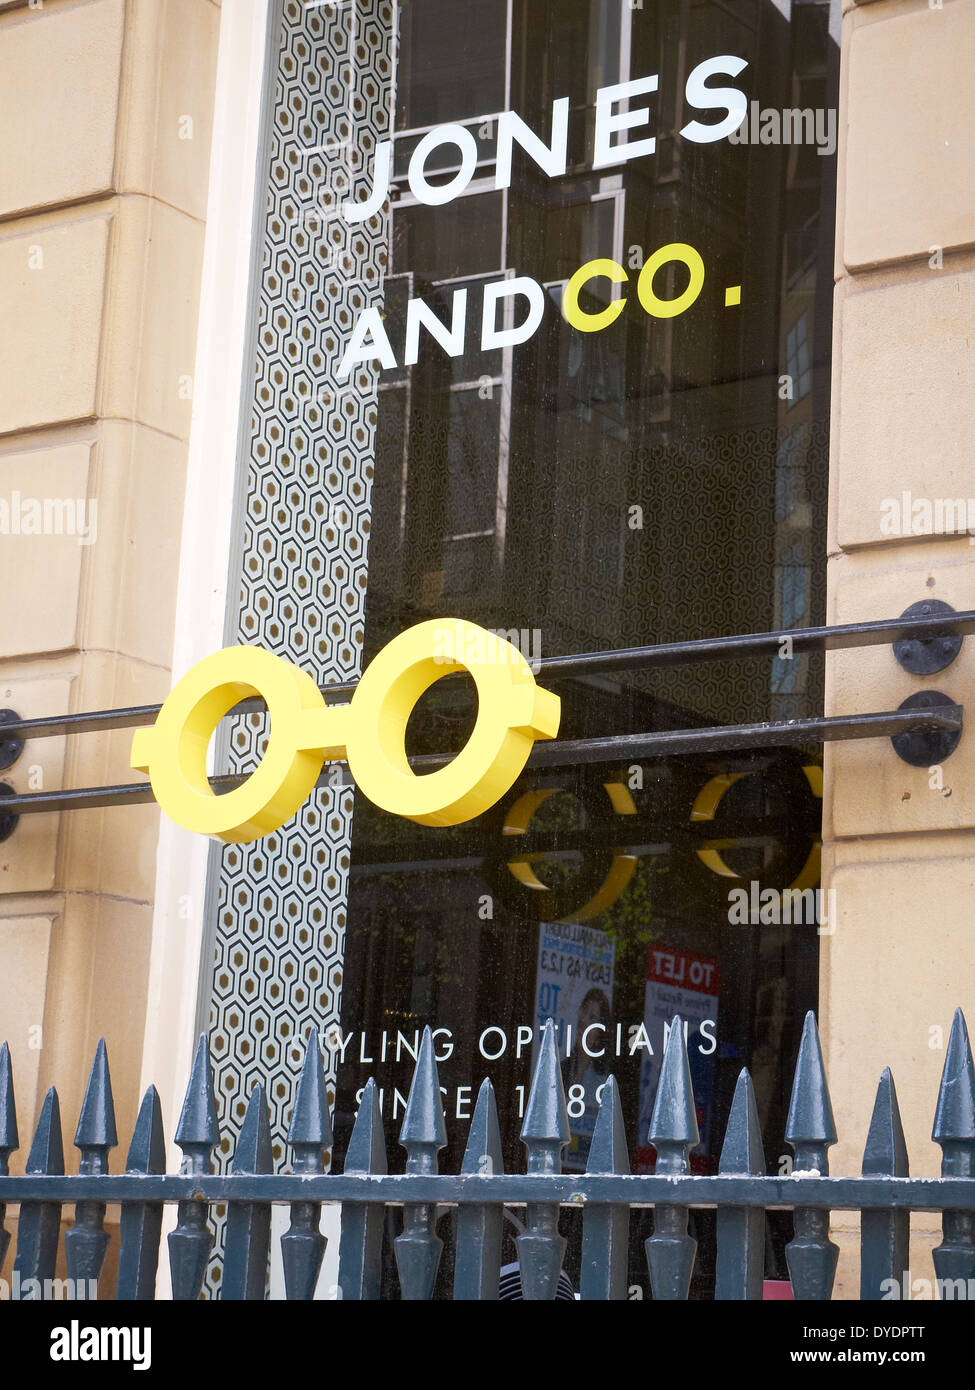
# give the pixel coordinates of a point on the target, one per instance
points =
(77, 799)
(837, 1193)
(734, 736)
(91, 721)
(617, 748)
(749, 645)
(744, 646)
(628, 835)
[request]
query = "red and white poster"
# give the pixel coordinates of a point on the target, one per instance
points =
(678, 982)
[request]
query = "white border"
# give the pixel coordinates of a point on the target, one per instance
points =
(207, 538)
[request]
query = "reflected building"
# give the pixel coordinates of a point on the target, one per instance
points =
(658, 480)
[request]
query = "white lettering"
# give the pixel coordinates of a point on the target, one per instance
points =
(609, 122)
(437, 194)
(494, 337)
(708, 99)
(553, 158)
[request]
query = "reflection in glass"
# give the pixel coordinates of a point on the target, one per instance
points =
(658, 480)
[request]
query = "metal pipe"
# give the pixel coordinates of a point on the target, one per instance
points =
(746, 646)
(734, 737)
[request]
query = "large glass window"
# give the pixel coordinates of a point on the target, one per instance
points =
(660, 479)
(646, 466)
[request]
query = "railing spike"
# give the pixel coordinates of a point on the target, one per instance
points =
(39, 1223)
(361, 1238)
(671, 1250)
(47, 1148)
(811, 1129)
(605, 1228)
(249, 1223)
(884, 1235)
(303, 1245)
(954, 1132)
(96, 1123)
(477, 1262)
(423, 1121)
(9, 1139)
(885, 1152)
(423, 1135)
(810, 1119)
(544, 1133)
(674, 1117)
(955, 1116)
(253, 1153)
(86, 1243)
(141, 1222)
(743, 1150)
(310, 1122)
(546, 1117)
(608, 1152)
(483, 1153)
(147, 1151)
(367, 1146)
(741, 1230)
(196, 1134)
(198, 1118)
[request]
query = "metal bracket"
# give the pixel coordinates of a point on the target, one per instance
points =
(10, 748)
(922, 747)
(924, 656)
(8, 819)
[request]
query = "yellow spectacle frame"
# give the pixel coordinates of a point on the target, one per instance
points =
(369, 732)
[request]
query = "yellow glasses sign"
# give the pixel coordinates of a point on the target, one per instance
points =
(369, 732)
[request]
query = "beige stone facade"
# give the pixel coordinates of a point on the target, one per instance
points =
(898, 848)
(107, 108)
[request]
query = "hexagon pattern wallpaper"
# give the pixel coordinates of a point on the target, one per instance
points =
(304, 525)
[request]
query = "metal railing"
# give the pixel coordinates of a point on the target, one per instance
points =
(741, 1191)
(925, 639)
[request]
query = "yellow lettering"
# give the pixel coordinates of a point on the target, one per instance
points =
(670, 308)
(581, 318)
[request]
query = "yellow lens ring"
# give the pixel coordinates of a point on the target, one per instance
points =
(705, 805)
(173, 751)
(518, 816)
(709, 799)
(512, 712)
(603, 891)
(614, 885)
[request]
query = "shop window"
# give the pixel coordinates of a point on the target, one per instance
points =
(582, 490)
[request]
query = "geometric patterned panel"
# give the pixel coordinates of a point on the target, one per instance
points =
(302, 535)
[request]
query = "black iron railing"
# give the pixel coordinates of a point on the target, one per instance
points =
(741, 1191)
